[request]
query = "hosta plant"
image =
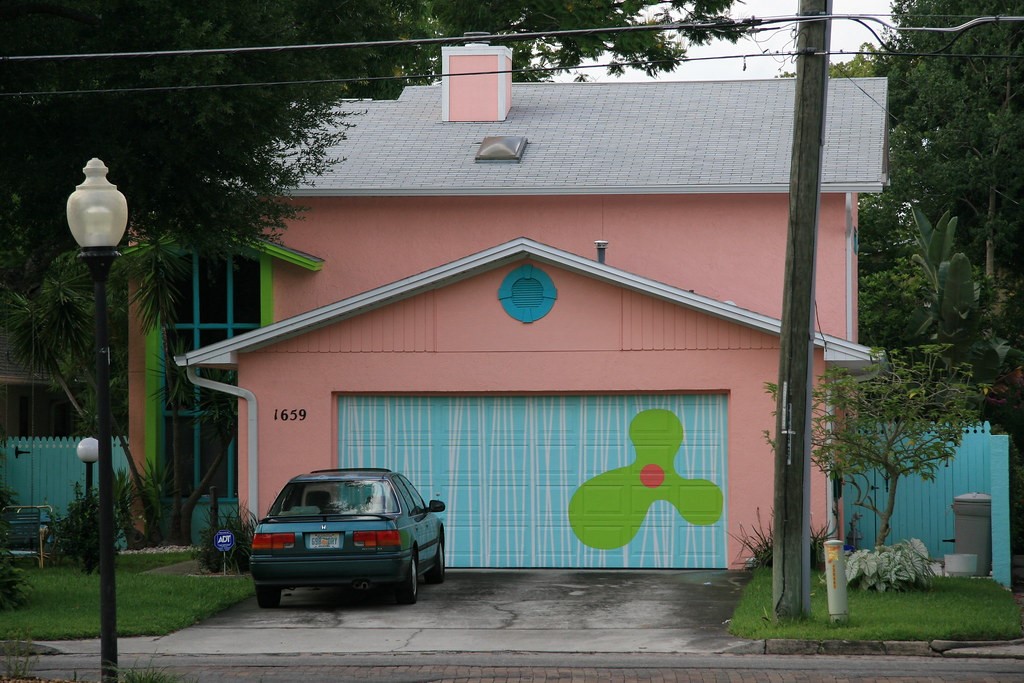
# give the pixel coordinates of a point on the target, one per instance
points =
(900, 567)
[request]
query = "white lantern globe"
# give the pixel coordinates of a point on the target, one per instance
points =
(97, 212)
(88, 450)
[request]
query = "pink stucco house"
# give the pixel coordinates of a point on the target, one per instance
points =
(554, 307)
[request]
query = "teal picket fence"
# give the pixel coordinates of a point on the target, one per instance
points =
(924, 509)
(43, 470)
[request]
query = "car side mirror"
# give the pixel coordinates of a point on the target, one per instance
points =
(435, 506)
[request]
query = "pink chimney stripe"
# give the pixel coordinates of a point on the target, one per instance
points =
(476, 83)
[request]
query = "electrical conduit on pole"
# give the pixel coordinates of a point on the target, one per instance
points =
(835, 579)
(252, 422)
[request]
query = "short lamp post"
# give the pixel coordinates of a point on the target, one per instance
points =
(97, 214)
(88, 452)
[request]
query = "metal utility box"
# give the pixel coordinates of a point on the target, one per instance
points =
(972, 520)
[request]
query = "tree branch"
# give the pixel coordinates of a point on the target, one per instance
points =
(28, 8)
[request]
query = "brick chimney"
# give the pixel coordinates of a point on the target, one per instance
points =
(486, 95)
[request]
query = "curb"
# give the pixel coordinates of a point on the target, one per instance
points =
(998, 649)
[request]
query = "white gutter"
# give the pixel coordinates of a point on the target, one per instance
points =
(351, 189)
(250, 399)
(850, 282)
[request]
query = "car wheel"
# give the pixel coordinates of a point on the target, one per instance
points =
(406, 592)
(436, 573)
(268, 597)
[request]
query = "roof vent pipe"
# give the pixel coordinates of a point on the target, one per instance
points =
(601, 246)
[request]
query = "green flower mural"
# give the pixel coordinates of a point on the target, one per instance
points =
(606, 512)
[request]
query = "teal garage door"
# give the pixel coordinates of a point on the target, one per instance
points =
(557, 481)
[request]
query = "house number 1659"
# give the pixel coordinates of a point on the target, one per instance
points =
(286, 414)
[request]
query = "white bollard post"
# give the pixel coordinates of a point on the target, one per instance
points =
(835, 577)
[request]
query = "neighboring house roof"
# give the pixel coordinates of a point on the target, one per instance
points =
(13, 372)
(610, 138)
(225, 353)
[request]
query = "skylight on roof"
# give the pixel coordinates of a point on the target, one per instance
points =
(501, 148)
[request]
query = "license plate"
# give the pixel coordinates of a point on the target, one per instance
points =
(327, 541)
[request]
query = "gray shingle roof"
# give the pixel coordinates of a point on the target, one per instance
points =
(658, 137)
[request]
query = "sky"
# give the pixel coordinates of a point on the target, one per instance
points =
(846, 35)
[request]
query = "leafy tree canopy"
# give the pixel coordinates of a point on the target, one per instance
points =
(905, 419)
(203, 166)
(207, 166)
(955, 137)
(957, 125)
(660, 52)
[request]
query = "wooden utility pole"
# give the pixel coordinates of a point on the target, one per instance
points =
(792, 544)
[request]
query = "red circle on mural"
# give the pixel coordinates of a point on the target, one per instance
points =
(652, 476)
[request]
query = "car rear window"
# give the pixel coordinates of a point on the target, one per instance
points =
(347, 497)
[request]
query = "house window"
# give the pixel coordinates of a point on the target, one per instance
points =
(221, 300)
(527, 294)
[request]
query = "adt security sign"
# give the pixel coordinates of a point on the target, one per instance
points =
(224, 540)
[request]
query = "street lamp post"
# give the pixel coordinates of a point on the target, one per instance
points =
(88, 452)
(97, 215)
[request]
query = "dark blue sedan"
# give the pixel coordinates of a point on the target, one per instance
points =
(348, 527)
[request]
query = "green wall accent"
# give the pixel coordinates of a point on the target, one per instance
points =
(266, 289)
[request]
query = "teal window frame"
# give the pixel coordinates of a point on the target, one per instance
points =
(193, 330)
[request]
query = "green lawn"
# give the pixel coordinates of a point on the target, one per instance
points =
(64, 602)
(954, 609)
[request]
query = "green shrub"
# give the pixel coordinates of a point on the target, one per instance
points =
(14, 585)
(154, 479)
(1016, 501)
(903, 566)
(124, 506)
(237, 559)
(6, 498)
(77, 533)
(759, 544)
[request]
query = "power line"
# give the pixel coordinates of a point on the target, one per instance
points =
(434, 76)
(723, 24)
(751, 25)
(371, 79)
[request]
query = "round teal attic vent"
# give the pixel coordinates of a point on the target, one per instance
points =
(527, 294)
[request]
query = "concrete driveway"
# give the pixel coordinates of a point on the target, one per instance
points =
(549, 610)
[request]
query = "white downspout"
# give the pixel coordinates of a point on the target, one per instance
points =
(831, 504)
(253, 455)
(850, 283)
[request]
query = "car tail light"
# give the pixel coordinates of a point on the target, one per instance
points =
(376, 539)
(273, 541)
